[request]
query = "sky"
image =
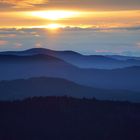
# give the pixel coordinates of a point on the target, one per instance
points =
(85, 41)
(86, 26)
(79, 13)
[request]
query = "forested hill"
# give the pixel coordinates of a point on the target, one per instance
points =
(65, 118)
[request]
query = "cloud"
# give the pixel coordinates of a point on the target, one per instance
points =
(3, 42)
(38, 45)
(7, 35)
(97, 4)
(138, 44)
(78, 4)
(23, 3)
(18, 45)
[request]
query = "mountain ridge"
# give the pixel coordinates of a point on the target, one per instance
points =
(82, 61)
(127, 78)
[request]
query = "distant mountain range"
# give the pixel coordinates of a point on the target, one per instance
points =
(103, 83)
(83, 61)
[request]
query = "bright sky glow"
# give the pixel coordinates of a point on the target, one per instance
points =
(55, 15)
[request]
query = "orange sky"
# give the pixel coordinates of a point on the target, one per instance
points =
(80, 13)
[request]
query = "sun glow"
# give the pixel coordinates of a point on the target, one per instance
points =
(54, 26)
(54, 14)
(69, 18)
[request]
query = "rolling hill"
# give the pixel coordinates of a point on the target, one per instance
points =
(46, 86)
(20, 67)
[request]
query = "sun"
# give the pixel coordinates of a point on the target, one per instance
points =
(54, 26)
(55, 14)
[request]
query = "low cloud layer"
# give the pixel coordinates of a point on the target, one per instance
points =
(3, 42)
(117, 41)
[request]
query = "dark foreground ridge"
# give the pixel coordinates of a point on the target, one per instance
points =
(65, 118)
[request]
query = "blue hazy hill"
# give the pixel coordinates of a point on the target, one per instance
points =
(83, 61)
